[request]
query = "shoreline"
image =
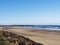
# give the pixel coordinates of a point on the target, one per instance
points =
(46, 37)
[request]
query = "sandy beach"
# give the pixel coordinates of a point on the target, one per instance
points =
(45, 37)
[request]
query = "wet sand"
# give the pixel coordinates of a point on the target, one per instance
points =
(45, 37)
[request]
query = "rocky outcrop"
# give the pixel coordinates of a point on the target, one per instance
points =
(18, 39)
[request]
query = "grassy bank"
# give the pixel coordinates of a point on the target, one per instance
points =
(10, 38)
(2, 41)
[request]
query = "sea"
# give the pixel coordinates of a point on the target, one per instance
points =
(43, 27)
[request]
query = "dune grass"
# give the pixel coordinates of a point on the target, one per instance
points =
(2, 42)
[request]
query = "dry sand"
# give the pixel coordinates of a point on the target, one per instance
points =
(42, 36)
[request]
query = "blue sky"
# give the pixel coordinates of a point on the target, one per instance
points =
(30, 12)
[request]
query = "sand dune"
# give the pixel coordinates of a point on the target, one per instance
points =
(42, 36)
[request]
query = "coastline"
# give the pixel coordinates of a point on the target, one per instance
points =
(47, 37)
